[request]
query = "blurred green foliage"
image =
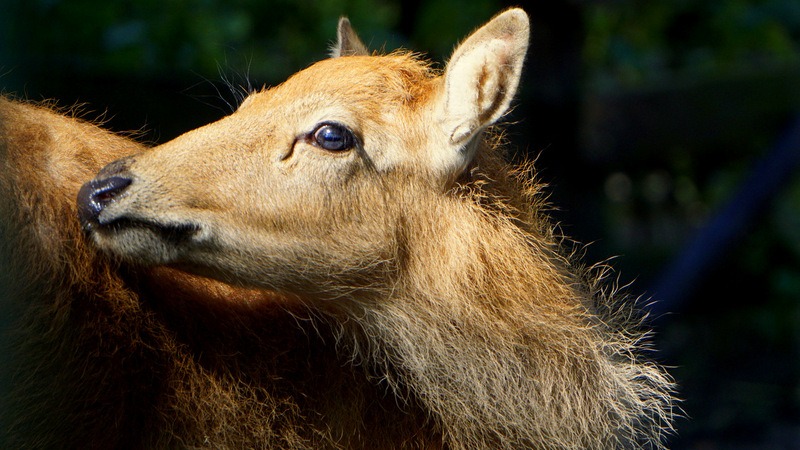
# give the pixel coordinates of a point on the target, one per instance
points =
(160, 37)
(635, 42)
(271, 39)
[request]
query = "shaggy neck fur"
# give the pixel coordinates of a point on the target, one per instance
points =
(486, 326)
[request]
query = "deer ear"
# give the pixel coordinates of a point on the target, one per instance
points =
(347, 41)
(480, 81)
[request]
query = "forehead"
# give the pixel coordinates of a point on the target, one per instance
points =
(361, 80)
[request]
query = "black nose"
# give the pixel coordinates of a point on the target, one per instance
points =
(96, 194)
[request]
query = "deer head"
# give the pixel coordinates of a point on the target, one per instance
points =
(298, 189)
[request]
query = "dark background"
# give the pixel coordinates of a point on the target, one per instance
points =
(666, 131)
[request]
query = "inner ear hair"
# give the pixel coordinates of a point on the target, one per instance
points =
(483, 74)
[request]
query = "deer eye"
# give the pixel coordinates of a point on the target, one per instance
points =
(334, 137)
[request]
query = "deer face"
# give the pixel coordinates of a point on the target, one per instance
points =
(298, 188)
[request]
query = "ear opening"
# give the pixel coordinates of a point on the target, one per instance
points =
(480, 82)
(481, 78)
(347, 41)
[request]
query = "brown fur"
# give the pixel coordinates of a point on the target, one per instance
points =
(392, 313)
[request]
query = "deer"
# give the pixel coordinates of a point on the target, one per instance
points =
(348, 260)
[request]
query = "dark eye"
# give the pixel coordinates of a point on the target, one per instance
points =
(334, 137)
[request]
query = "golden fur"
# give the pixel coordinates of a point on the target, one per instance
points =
(368, 301)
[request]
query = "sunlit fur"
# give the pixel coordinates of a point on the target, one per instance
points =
(501, 337)
(469, 324)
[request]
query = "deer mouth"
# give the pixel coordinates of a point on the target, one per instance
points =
(142, 241)
(175, 233)
(100, 213)
(127, 233)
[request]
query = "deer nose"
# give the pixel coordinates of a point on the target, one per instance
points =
(96, 195)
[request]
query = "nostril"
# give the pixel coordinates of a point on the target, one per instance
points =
(106, 190)
(96, 194)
